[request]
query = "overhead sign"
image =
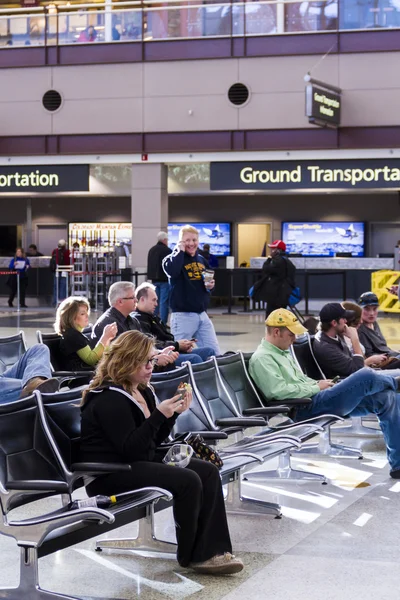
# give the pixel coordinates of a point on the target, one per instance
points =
(317, 174)
(44, 178)
(323, 106)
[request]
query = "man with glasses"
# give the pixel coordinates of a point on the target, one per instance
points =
(122, 300)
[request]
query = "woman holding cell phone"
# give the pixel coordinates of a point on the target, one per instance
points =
(76, 351)
(122, 423)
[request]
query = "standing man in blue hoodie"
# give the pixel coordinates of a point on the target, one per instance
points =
(190, 294)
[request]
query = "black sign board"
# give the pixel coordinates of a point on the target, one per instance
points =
(311, 174)
(322, 106)
(44, 178)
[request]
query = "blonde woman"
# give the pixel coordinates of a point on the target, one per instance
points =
(121, 423)
(72, 317)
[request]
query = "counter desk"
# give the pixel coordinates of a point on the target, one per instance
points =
(318, 278)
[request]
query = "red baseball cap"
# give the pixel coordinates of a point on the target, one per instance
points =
(278, 244)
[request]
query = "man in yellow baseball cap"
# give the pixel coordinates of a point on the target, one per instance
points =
(278, 377)
(285, 318)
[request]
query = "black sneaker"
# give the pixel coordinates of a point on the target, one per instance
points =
(10, 304)
(395, 474)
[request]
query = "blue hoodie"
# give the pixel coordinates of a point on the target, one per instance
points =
(188, 292)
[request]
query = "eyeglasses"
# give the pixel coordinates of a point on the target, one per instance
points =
(152, 361)
(130, 298)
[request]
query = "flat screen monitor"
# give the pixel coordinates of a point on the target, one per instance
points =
(324, 238)
(218, 235)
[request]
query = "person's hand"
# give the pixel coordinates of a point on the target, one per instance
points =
(109, 333)
(210, 284)
(171, 405)
(167, 356)
(375, 359)
(185, 345)
(185, 402)
(166, 359)
(350, 332)
(324, 384)
(394, 289)
(182, 246)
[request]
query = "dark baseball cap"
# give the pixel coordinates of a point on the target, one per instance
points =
(368, 299)
(333, 311)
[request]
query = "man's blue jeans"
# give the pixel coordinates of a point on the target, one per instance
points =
(363, 392)
(197, 355)
(188, 325)
(34, 363)
(162, 291)
(62, 288)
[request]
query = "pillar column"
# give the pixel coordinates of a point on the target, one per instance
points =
(149, 209)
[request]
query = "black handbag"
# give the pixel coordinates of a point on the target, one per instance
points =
(203, 450)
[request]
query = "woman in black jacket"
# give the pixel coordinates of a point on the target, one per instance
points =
(121, 422)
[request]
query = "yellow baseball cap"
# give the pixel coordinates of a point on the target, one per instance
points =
(285, 318)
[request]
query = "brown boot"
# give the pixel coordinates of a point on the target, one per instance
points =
(45, 386)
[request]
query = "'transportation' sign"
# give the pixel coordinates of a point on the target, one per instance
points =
(315, 174)
(44, 178)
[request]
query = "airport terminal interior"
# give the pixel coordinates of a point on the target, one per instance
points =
(270, 132)
(332, 541)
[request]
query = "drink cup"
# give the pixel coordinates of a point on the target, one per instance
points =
(208, 275)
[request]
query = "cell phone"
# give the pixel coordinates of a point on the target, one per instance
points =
(193, 340)
(335, 379)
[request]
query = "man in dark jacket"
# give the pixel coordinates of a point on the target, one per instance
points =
(146, 303)
(330, 348)
(122, 300)
(278, 279)
(156, 274)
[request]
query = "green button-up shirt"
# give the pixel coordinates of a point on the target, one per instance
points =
(276, 374)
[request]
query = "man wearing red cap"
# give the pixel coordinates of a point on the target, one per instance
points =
(278, 279)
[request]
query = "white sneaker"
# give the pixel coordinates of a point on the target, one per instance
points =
(222, 564)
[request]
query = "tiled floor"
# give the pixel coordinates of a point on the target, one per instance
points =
(334, 541)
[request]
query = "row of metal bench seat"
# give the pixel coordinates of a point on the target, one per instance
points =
(38, 439)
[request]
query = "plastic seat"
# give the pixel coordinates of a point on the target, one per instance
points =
(236, 456)
(32, 468)
(73, 378)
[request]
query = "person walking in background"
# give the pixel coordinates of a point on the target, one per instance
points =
(190, 291)
(210, 258)
(60, 257)
(20, 264)
(156, 275)
(278, 279)
(33, 251)
(88, 35)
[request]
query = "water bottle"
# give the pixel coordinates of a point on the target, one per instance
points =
(95, 501)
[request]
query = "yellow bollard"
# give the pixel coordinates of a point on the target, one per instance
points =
(381, 282)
